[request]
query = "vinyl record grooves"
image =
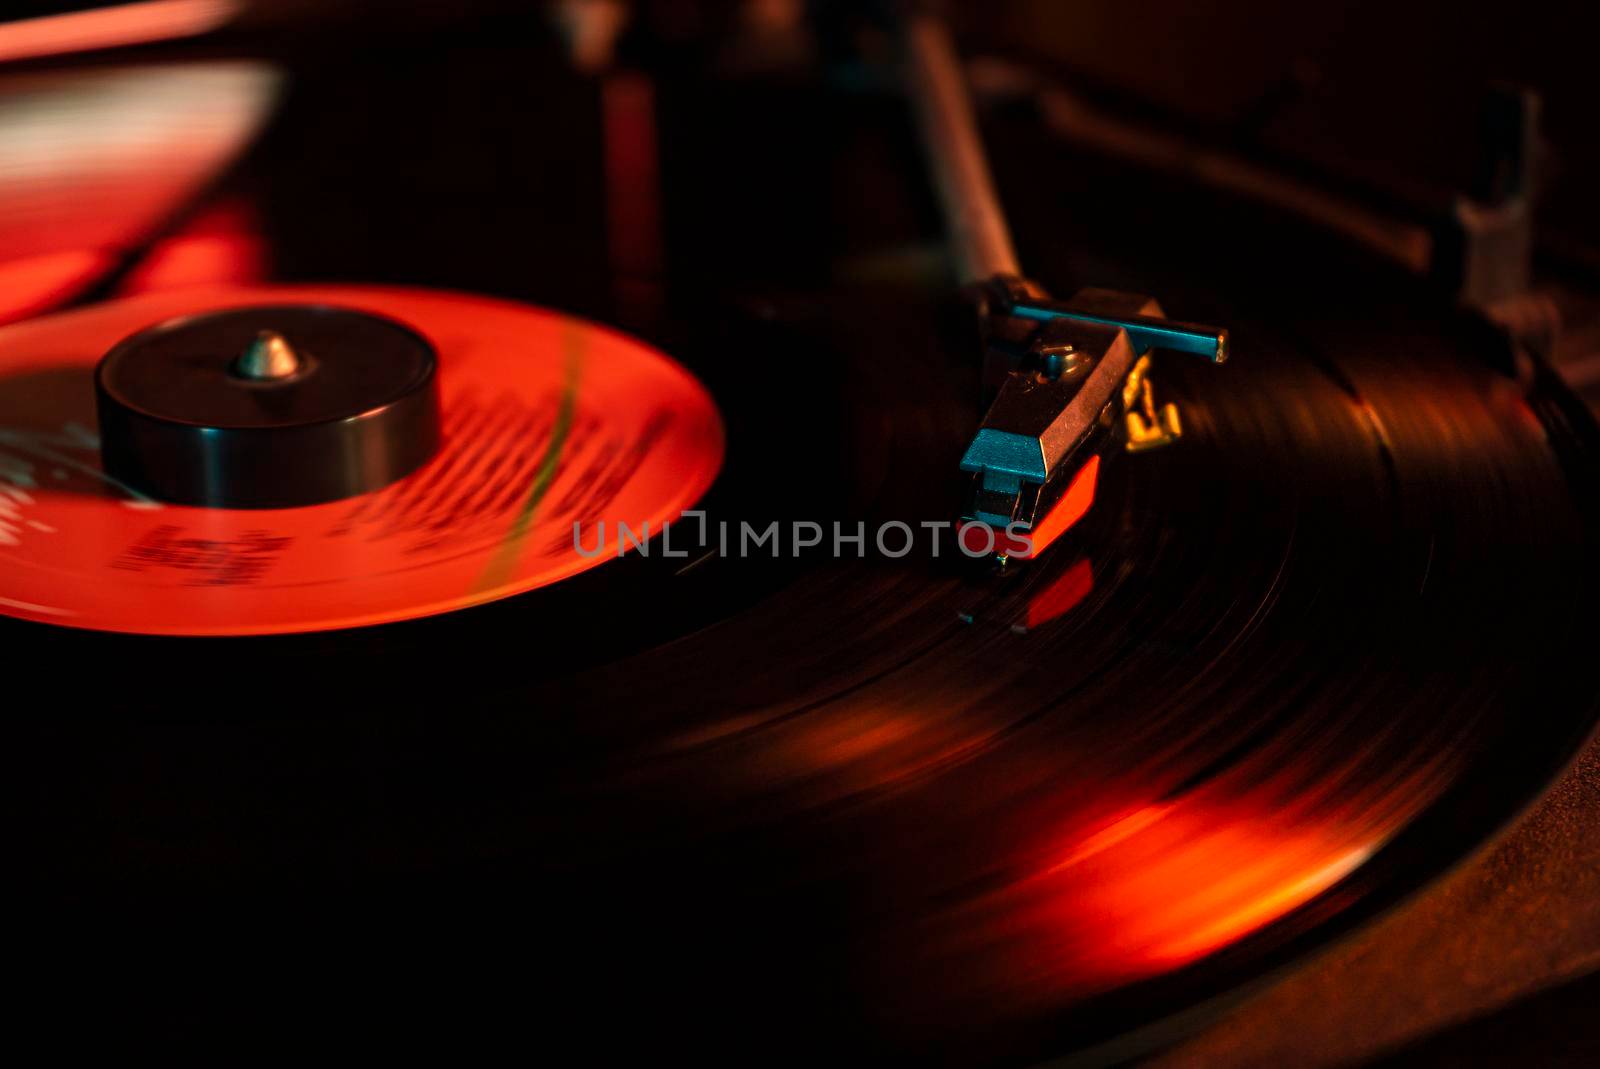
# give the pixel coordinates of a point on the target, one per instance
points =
(1190, 743)
(767, 808)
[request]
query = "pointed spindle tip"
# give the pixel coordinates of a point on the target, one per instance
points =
(269, 358)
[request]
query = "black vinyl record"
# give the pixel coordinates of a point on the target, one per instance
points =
(1283, 673)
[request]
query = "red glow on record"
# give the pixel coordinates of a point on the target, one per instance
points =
(219, 246)
(1169, 883)
(38, 283)
(1061, 596)
(112, 27)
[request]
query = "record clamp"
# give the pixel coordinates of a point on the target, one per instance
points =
(223, 410)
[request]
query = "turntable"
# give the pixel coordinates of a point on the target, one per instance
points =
(766, 532)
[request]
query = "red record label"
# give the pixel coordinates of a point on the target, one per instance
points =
(548, 422)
